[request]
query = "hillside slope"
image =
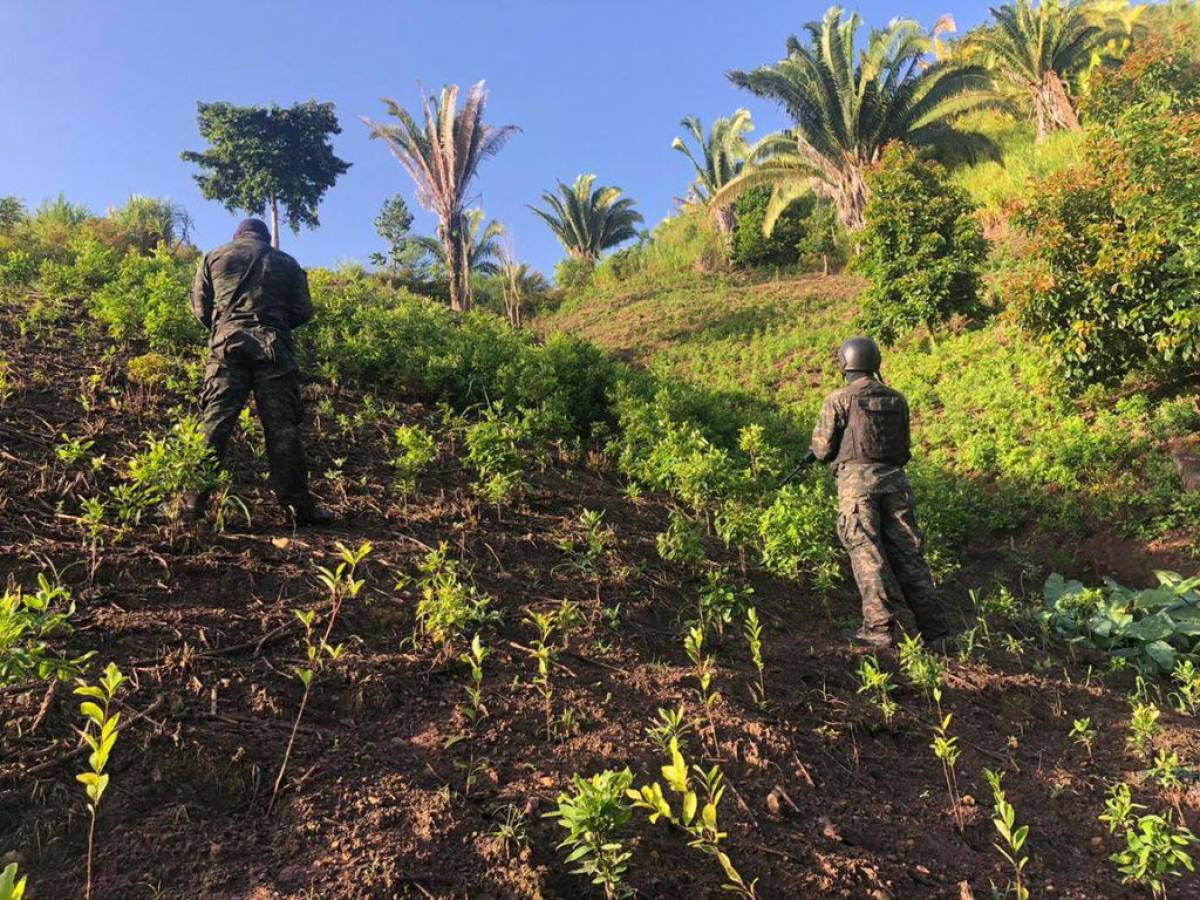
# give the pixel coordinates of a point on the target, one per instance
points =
(1081, 480)
(392, 790)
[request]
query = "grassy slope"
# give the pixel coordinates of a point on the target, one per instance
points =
(996, 428)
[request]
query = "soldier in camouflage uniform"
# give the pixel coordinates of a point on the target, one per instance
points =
(863, 433)
(250, 296)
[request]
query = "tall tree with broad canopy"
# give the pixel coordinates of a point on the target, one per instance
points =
(848, 104)
(442, 155)
(587, 222)
(719, 158)
(1041, 51)
(263, 158)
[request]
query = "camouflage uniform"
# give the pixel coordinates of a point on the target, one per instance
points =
(876, 511)
(250, 297)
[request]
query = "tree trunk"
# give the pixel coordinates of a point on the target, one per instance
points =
(1054, 109)
(850, 196)
(460, 296)
(274, 222)
(725, 220)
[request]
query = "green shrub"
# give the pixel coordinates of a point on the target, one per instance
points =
(149, 299)
(750, 247)
(796, 533)
(573, 273)
(922, 248)
(91, 265)
(1114, 255)
(17, 269)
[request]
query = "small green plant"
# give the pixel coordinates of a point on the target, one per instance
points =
(1155, 847)
(705, 669)
(945, 748)
(1084, 734)
(681, 542)
(1165, 771)
(474, 657)
(699, 822)
(341, 585)
(544, 651)
(499, 447)
(753, 632)
(512, 831)
(1012, 837)
(586, 556)
(720, 600)
(415, 450)
(11, 887)
(1143, 727)
(96, 709)
(593, 815)
(877, 684)
(73, 450)
(27, 622)
(448, 604)
(1186, 677)
(672, 725)
(922, 668)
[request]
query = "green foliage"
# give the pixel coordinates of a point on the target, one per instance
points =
(751, 248)
(594, 815)
(500, 447)
(1083, 733)
(574, 273)
(1152, 627)
(681, 541)
(1186, 677)
(752, 631)
(145, 222)
(96, 709)
(849, 105)
(1012, 837)
(921, 667)
(721, 600)
(945, 748)
(448, 604)
(27, 622)
(11, 887)
(794, 531)
(671, 726)
(698, 821)
(260, 157)
(416, 448)
(1143, 727)
(148, 298)
(588, 221)
(877, 684)
(922, 248)
(474, 657)
(1155, 847)
(1114, 262)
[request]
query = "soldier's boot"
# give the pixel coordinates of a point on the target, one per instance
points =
(879, 639)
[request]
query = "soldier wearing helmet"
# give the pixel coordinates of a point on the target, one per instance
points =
(863, 434)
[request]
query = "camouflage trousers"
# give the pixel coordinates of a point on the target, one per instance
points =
(880, 533)
(258, 363)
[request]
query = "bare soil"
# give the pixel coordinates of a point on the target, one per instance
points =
(826, 799)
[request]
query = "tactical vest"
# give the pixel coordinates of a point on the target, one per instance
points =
(877, 429)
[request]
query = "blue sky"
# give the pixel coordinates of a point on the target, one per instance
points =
(98, 99)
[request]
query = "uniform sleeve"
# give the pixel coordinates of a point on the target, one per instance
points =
(301, 309)
(202, 295)
(827, 436)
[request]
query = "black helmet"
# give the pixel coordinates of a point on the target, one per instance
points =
(859, 354)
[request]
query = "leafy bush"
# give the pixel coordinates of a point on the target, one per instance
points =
(416, 449)
(149, 298)
(27, 621)
(593, 816)
(922, 248)
(17, 269)
(753, 249)
(1152, 627)
(1115, 259)
(795, 532)
(573, 273)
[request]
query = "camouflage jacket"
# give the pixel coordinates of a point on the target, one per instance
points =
(247, 285)
(834, 443)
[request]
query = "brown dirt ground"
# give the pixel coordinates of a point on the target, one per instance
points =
(376, 805)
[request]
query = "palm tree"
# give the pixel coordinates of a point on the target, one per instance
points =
(721, 156)
(480, 246)
(1040, 51)
(588, 222)
(442, 156)
(848, 106)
